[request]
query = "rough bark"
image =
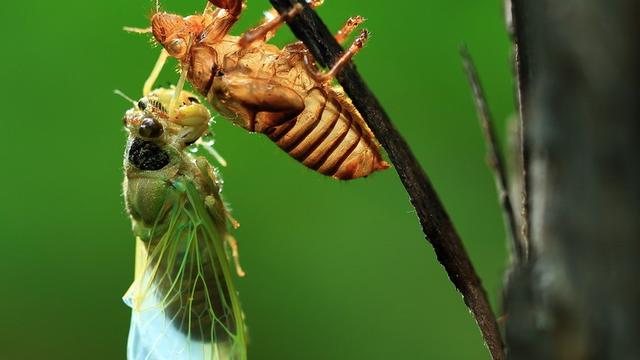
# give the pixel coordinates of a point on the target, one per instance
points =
(579, 296)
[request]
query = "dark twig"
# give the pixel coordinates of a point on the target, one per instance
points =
(516, 19)
(494, 156)
(435, 221)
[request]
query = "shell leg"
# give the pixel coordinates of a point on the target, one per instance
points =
(220, 21)
(355, 47)
(348, 27)
(266, 30)
(233, 7)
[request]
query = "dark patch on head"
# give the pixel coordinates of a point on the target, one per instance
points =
(146, 155)
(194, 99)
(142, 105)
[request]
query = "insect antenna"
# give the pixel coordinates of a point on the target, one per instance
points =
(123, 95)
(136, 30)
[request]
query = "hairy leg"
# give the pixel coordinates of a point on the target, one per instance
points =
(267, 30)
(235, 254)
(220, 22)
(351, 24)
(233, 7)
(262, 31)
(355, 47)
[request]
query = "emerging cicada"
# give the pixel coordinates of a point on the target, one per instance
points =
(184, 305)
(277, 92)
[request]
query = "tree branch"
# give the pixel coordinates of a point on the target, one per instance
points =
(436, 225)
(578, 297)
(494, 156)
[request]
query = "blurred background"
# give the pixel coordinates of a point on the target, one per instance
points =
(335, 270)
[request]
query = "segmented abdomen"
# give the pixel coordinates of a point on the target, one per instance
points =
(331, 137)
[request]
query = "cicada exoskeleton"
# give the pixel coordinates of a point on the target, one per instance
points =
(275, 91)
(183, 300)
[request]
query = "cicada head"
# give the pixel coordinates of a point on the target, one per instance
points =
(151, 121)
(175, 33)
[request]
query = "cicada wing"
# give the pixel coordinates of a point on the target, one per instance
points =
(184, 304)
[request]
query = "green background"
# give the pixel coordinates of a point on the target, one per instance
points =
(336, 270)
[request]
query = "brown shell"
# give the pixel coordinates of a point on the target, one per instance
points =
(330, 137)
(326, 133)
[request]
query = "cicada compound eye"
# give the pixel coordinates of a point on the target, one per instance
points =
(150, 128)
(177, 47)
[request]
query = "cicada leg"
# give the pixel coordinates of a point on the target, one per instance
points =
(219, 22)
(233, 7)
(232, 243)
(215, 206)
(351, 24)
(234, 223)
(355, 47)
(266, 30)
(215, 203)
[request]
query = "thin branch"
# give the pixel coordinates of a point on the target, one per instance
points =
(494, 156)
(516, 16)
(434, 219)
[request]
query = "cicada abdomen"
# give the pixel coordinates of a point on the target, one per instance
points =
(274, 91)
(183, 300)
(329, 136)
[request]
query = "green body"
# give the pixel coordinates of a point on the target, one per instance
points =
(183, 299)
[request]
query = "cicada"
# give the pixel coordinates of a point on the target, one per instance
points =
(275, 91)
(184, 303)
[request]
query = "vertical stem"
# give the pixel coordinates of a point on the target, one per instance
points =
(496, 162)
(518, 16)
(578, 298)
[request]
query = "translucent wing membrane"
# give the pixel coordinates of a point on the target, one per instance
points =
(184, 303)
